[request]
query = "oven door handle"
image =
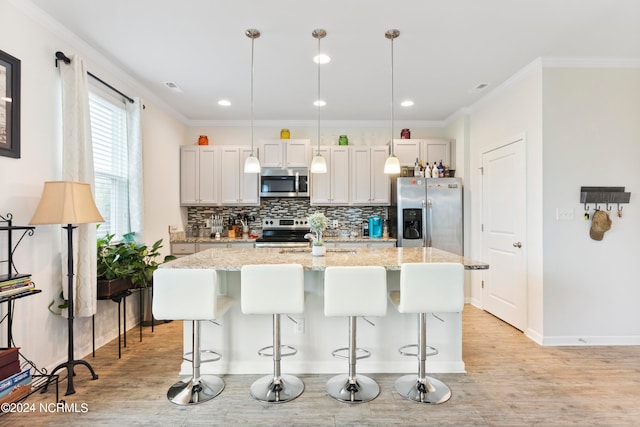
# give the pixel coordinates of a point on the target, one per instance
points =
(297, 183)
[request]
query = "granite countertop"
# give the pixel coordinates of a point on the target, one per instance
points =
(180, 238)
(232, 259)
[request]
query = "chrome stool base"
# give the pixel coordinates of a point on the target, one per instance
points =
(266, 389)
(342, 389)
(191, 391)
(431, 391)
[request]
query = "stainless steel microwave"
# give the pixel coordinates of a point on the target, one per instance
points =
(290, 182)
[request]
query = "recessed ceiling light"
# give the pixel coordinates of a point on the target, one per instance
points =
(322, 58)
(407, 103)
(174, 87)
(319, 103)
(224, 102)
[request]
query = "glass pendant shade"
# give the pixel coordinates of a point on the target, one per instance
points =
(318, 164)
(392, 165)
(252, 164)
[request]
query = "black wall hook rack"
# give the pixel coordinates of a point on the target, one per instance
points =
(604, 195)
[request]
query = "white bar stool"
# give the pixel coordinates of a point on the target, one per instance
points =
(274, 289)
(354, 291)
(427, 288)
(190, 294)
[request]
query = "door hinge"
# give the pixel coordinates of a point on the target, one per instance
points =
(483, 284)
(481, 227)
(481, 170)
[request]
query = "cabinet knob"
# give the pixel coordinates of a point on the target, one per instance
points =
(517, 245)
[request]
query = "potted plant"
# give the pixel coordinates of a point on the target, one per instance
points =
(126, 264)
(317, 224)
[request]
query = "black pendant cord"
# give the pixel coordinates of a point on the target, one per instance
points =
(60, 56)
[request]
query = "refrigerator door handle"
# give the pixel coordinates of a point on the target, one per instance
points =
(424, 224)
(429, 220)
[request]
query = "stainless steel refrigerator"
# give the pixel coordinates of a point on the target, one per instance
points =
(427, 212)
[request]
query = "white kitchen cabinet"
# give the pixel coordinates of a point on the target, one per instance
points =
(236, 187)
(182, 249)
(370, 244)
(369, 183)
(428, 150)
(284, 153)
(332, 188)
(198, 175)
(435, 150)
(406, 150)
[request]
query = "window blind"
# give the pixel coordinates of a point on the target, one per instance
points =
(110, 161)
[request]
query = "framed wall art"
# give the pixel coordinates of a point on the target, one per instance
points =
(9, 106)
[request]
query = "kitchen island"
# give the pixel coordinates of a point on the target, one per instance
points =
(314, 335)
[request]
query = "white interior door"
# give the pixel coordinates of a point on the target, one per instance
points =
(504, 291)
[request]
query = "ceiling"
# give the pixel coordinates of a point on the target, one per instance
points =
(445, 49)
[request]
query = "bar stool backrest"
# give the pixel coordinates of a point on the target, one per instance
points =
(185, 294)
(431, 288)
(272, 289)
(355, 291)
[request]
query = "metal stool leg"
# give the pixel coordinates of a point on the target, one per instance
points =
(198, 388)
(351, 388)
(422, 389)
(277, 388)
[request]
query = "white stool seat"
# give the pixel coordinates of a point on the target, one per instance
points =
(190, 294)
(354, 291)
(427, 288)
(274, 289)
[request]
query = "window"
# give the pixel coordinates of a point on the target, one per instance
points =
(110, 162)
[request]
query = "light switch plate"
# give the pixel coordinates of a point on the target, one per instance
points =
(564, 214)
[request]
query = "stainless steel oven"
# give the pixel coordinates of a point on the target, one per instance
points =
(284, 233)
(291, 182)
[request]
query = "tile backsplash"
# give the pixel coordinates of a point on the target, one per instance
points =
(349, 218)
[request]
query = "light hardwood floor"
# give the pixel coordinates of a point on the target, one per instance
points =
(510, 381)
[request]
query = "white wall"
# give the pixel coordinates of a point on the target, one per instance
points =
(591, 138)
(513, 109)
(42, 335)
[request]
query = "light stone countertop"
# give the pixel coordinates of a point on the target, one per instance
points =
(180, 238)
(232, 259)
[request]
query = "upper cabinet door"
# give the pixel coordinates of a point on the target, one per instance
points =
(360, 175)
(297, 153)
(229, 175)
(436, 150)
(380, 184)
(271, 154)
(321, 182)
(407, 151)
(339, 175)
(208, 175)
(189, 175)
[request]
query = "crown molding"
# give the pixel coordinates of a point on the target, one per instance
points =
(587, 62)
(398, 124)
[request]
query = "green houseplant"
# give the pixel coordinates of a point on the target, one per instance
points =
(125, 264)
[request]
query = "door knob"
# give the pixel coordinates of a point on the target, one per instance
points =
(517, 245)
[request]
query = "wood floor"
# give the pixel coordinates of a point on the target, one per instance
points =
(510, 381)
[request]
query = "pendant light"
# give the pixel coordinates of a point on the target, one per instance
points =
(318, 164)
(392, 164)
(252, 164)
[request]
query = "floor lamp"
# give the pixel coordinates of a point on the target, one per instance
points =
(67, 202)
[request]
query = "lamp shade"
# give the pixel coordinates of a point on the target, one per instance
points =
(252, 164)
(318, 164)
(392, 165)
(66, 202)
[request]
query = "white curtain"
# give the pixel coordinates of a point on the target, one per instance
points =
(77, 165)
(134, 143)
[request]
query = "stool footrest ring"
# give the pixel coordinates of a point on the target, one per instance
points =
(431, 351)
(291, 351)
(214, 356)
(363, 353)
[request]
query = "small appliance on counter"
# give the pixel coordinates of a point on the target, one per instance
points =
(375, 227)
